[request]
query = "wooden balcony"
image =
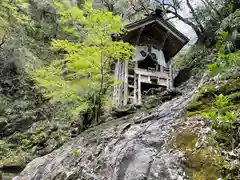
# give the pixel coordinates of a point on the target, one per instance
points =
(145, 72)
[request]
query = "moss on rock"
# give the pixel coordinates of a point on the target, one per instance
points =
(228, 85)
(184, 140)
(203, 164)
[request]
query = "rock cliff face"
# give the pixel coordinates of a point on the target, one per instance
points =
(169, 142)
(154, 144)
(125, 149)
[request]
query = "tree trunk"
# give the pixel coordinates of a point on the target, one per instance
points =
(99, 101)
(199, 33)
(195, 16)
(100, 93)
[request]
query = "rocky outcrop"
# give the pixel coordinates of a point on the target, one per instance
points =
(29, 125)
(124, 149)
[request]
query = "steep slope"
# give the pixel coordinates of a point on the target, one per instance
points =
(29, 125)
(129, 148)
(158, 144)
(172, 141)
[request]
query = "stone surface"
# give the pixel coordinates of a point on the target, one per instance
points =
(3, 122)
(134, 148)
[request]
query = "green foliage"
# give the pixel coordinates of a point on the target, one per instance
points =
(228, 85)
(9, 11)
(195, 58)
(11, 16)
(214, 68)
(16, 43)
(83, 76)
(222, 101)
(221, 40)
(224, 122)
(223, 61)
(76, 152)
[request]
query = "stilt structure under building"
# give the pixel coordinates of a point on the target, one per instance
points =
(157, 42)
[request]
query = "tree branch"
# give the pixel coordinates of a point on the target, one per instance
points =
(109, 5)
(143, 6)
(195, 16)
(173, 10)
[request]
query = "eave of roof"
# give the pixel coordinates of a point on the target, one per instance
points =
(151, 19)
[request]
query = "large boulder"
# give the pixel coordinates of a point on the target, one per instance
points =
(135, 148)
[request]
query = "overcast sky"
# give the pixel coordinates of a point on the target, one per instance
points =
(184, 28)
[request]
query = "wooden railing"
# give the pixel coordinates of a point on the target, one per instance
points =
(145, 72)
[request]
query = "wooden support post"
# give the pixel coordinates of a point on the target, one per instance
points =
(136, 79)
(171, 76)
(121, 89)
(161, 68)
(125, 83)
(119, 86)
(135, 86)
(115, 92)
(139, 89)
(167, 83)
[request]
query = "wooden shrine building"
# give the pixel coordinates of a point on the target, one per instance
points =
(156, 42)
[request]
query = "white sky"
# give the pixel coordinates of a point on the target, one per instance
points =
(184, 28)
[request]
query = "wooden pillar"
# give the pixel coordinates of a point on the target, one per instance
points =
(168, 83)
(170, 76)
(135, 86)
(139, 89)
(119, 86)
(115, 91)
(125, 83)
(161, 68)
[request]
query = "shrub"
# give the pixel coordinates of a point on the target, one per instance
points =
(224, 122)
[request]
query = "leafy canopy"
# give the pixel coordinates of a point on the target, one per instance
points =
(85, 68)
(11, 12)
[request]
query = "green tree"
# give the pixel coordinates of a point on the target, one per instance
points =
(11, 14)
(85, 69)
